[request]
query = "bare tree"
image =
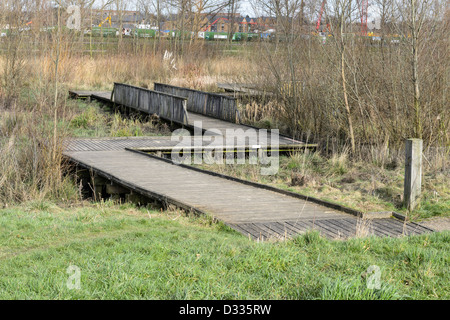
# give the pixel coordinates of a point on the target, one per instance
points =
(14, 21)
(121, 7)
(154, 8)
(414, 14)
(233, 7)
(343, 16)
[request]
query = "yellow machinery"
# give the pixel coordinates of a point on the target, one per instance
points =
(107, 19)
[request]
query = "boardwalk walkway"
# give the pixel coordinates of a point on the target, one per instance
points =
(257, 211)
(200, 121)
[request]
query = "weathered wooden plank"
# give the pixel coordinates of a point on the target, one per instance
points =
(275, 227)
(413, 172)
(181, 183)
(302, 226)
(386, 227)
(323, 228)
(167, 106)
(281, 225)
(255, 232)
(350, 231)
(256, 210)
(332, 229)
(351, 223)
(293, 230)
(208, 104)
(401, 226)
(239, 228)
(267, 232)
(395, 228)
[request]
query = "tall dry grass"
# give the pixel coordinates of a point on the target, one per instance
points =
(100, 73)
(31, 137)
(313, 110)
(306, 78)
(31, 162)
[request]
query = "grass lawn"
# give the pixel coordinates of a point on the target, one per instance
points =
(125, 252)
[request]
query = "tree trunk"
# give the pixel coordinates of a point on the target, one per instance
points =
(415, 73)
(344, 85)
(347, 106)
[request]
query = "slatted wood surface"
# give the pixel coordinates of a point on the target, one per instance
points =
(160, 143)
(102, 95)
(335, 228)
(211, 124)
(255, 212)
(109, 144)
(206, 123)
(165, 105)
(205, 103)
(233, 202)
(82, 94)
(241, 88)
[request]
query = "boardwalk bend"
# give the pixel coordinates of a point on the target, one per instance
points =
(120, 165)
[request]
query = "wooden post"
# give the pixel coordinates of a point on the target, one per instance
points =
(413, 172)
(98, 186)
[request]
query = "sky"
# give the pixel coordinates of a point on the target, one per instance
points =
(245, 7)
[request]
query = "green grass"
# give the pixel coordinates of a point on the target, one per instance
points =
(124, 252)
(93, 120)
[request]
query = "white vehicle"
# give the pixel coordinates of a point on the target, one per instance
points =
(3, 30)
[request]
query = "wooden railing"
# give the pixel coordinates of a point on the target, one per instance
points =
(205, 103)
(165, 105)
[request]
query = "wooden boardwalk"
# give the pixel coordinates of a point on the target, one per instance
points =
(242, 88)
(202, 122)
(257, 211)
(161, 143)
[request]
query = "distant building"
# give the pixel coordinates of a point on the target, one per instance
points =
(213, 22)
(116, 19)
(219, 22)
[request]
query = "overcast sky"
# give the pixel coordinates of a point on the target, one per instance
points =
(245, 7)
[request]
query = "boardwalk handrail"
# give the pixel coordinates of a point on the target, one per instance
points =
(209, 104)
(165, 105)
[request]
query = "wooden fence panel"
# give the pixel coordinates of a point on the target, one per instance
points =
(208, 104)
(165, 105)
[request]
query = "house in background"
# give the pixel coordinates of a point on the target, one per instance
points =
(248, 24)
(219, 22)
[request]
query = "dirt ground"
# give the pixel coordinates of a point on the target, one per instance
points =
(438, 224)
